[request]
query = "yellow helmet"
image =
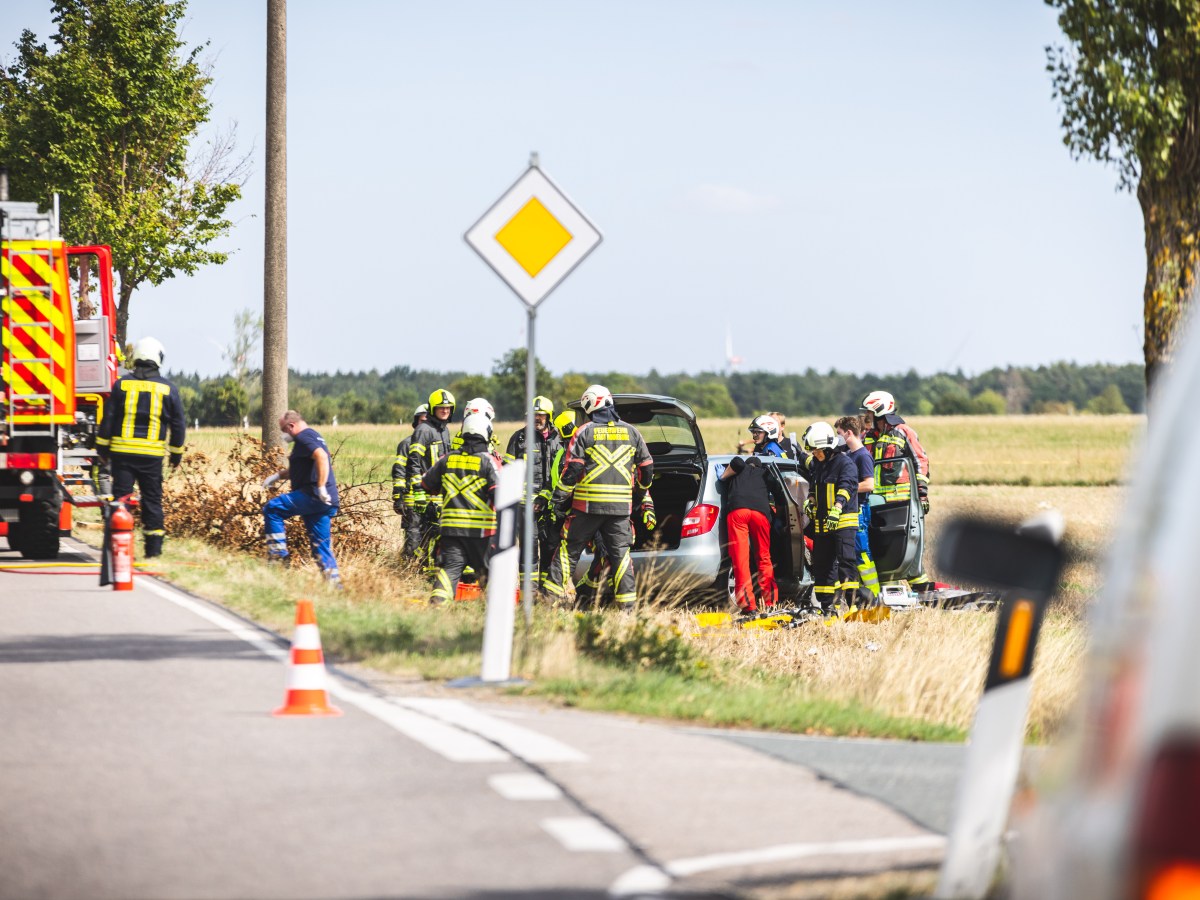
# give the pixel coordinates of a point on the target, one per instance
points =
(543, 405)
(564, 424)
(441, 397)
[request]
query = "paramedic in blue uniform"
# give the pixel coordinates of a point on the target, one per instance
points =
(313, 497)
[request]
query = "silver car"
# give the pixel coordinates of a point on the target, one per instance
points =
(687, 555)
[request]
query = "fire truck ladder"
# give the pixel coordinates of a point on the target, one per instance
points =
(20, 402)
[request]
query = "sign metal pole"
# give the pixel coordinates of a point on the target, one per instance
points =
(528, 536)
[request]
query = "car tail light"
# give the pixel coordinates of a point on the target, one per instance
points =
(699, 520)
(1166, 836)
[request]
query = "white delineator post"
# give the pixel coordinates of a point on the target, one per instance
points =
(502, 576)
(989, 778)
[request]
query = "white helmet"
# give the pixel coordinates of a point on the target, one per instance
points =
(478, 405)
(422, 410)
(820, 436)
(879, 403)
(769, 424)
(150, 350)
(596, 397)
(479, 424)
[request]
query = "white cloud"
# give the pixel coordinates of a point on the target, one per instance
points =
(722, 198)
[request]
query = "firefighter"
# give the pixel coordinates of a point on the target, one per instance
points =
(848, 429)
(430, 440)
(481, 405)
(606, 461)
(549, 525)
(590, 589)
(833, 509)
(400, 470)
(753, 498)
(888, 436)
(765, 431)
(132, 436)
(547, 444)
(466, 478)
(313, 497)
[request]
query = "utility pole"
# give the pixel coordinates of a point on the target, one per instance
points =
(275, 356)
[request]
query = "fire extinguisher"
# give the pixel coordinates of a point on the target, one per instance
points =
(121, 527)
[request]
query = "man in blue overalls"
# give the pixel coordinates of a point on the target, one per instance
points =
(314, 496)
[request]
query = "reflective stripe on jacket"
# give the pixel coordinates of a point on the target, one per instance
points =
(605, 461)
(141, 411)
(835, 480)
(430, 441)
(892, 442)
(467, 480)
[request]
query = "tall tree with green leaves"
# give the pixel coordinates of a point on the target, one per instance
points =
(1129, 85)
(106, 117)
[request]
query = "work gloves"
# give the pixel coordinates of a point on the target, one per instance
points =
(832, 518)
(649, 519)
(323, 495)
(270, 480)
(925, 505)
(176, 459)
(810, 509)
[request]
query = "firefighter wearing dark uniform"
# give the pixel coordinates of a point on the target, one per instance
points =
(466, 479)
(833, 509)
(546, 447)
(590, 589)
(133, 435)
(606, 461)
(400, 470)
(888, 436)
(430, 440)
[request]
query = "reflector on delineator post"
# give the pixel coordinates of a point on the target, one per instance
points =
(306, 677)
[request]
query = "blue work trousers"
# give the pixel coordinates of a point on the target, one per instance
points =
(316, 515)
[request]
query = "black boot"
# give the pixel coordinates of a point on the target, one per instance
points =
(154, 544)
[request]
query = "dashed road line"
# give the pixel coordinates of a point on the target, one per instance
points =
(584, 834)
(525, 786)
(520, 742)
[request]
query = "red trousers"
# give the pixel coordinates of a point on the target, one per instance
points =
(745, 525)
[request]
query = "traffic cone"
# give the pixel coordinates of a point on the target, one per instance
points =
(306, 669)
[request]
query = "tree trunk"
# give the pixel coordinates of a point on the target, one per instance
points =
(124, 297)
(1172, 225)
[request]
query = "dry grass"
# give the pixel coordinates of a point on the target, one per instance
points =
(924, 665)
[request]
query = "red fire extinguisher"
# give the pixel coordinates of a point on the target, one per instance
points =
(121, 525)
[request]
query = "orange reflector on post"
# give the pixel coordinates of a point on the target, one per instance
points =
(1016, 641)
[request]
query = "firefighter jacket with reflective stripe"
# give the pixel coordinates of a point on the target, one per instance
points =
(893, 438)
(605, 461)
(834, 480)
(548, 443)
(430, 441)
(466, 479)
(400, 472)
(141, 411)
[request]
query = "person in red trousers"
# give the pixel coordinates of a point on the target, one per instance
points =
(749, 491)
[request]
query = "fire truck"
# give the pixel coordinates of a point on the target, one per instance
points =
(58, 363)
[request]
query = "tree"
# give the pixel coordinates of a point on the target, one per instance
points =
(247, 330)
(1108, 402)
(1129, 85)
(221, 402)
(106, 120)
(508, 381)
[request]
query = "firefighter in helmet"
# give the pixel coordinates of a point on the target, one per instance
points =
(766, 432)
(430, 440)
(888, 436)
(546, 447)
(606, 463)
(832, 507)
(133, 436)
(400, 470)
(466, 478)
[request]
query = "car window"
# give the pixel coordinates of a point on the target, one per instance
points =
(666, 433)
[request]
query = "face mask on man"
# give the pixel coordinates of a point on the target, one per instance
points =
(287, 438)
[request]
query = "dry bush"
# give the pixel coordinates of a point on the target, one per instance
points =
(219, 500)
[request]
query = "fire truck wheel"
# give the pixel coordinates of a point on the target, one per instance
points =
(39, 528)
(14, 536)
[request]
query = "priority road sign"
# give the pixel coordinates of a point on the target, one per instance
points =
(533, 236)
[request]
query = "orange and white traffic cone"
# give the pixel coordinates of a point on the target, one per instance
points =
(306, 669)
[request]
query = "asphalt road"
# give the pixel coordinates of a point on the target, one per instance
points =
(139, 759)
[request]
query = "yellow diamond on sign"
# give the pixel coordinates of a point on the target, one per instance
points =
(533, 237)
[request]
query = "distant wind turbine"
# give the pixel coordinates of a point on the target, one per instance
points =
(731, 361)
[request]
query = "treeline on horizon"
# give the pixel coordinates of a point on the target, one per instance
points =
(390, 397)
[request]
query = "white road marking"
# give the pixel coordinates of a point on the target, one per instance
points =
(524, 786)
(520, 742)
(644, 879)
(584, 834)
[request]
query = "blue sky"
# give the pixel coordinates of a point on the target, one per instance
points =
(873, 188)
